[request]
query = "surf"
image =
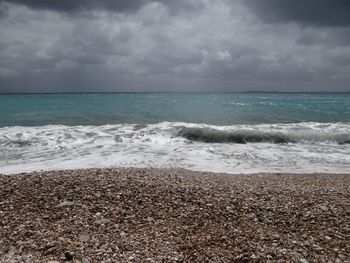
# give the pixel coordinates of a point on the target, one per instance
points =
(306, 147)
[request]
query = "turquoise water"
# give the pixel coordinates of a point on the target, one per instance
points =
(146, 108)
(219, 132)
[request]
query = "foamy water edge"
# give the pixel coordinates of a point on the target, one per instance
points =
(304, 147)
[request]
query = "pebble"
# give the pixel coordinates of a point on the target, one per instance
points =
(323, 208)
(209, 216)
(65, 203)
(69, 255)
(84, 237)
(275, 237)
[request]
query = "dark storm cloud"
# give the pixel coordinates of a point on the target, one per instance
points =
(306, 12)
(73, 6)
(339, 36)
(81, 5)
(168, 45)
(3, 10)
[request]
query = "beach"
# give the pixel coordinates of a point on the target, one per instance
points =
(174, 131)
(173, 215)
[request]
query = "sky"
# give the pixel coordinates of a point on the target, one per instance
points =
(176, 46)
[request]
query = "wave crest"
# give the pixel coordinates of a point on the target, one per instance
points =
(243, 136)
(208, 135)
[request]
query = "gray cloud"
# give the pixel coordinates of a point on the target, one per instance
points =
(74, 6)
(307, 12)
(3, 10)
(339, 36)
(81, 5)
(193, 45)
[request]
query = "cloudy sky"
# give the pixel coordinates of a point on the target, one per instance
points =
(168, 45)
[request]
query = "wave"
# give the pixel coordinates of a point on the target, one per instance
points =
(242, 136)
(302, 147)
(61, 135)
(216, 136)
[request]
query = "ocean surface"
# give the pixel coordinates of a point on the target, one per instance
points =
(220, 132)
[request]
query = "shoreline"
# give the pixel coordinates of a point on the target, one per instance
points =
(173, 215)
(174, 168)
(305, 147)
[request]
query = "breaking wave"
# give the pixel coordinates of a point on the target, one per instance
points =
(210, 135)
(302, 147)
(217, 136)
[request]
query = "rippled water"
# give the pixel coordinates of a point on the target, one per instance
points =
(208, 108)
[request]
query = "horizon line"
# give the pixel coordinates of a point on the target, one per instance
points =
(173, 92)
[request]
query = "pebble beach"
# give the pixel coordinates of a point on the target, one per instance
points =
(173, 215)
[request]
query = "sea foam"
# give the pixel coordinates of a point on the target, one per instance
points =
(296, 147)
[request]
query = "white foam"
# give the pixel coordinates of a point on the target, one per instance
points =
(24, 149)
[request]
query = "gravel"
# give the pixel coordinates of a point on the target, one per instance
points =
(173, 215)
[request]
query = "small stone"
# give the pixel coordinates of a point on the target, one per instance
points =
(341, 256)
(68, 255)
(12, 251)
(324, 208)
(303, 260)
(275, 237)
(65, 203)
(84, 237)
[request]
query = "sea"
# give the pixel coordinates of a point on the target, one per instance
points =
(219, 132)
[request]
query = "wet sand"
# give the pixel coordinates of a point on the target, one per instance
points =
(173, 215)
